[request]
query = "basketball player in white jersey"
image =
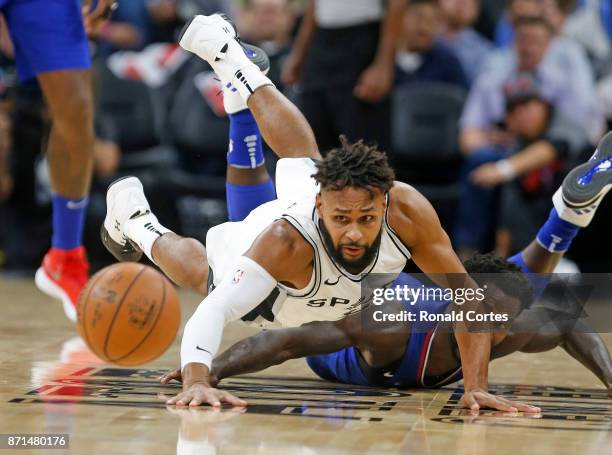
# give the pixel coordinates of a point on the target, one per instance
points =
(299, 258)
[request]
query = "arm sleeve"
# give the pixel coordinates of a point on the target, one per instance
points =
(236, 295)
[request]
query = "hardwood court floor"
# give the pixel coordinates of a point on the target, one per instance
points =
(50, 383)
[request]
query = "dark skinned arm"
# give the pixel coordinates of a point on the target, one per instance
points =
(418, 226)
(273, 347)
(579, 341)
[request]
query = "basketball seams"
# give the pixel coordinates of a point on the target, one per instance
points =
(167, 345)
(159, 313)
(112, 323)
(83, 312)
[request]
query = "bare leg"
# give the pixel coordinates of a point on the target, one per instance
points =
(183, 260)
(70, 153)
(239, 176)
(540, 260)
(282, 124)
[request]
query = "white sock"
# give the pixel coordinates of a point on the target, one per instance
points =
(232, 99)
(144, 231)
(236, 69)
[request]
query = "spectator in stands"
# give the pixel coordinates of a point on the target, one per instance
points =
(129, 28)
(543, 139)
(490, 13)
(422, 57)
(604, 95)
(505, 29)
(165, 18)
(485, 108)
(268, 24)
(564, 54)
(468, 45)
(344, 57)
(186, 9)
(591, 26)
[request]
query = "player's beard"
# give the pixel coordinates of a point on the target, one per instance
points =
(356, 266)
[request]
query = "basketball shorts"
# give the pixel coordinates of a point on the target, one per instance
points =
(48, 35)
(343, 366)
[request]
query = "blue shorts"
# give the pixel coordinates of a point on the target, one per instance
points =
(343, 366)
(48, 35)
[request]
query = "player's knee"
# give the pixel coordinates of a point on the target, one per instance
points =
(76, 114)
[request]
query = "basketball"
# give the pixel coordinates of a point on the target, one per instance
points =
(128, 314)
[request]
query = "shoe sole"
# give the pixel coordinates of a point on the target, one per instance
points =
(259, 57)
(49, 287)
(129, 255)
(578, 196)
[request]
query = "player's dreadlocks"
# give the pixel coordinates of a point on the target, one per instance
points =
(490, 268)
(355, 165)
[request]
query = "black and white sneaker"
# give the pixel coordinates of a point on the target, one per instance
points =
(585, 186)
(125, 200)
(215, 39)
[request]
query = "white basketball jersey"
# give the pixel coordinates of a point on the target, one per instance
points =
(332, 292)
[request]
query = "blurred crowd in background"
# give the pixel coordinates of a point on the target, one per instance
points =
(483, 105)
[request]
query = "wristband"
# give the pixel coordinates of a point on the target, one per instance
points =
(506, 169)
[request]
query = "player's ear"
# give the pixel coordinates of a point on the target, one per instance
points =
(318, 204)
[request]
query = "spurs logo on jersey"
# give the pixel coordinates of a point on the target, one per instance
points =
(332, 292)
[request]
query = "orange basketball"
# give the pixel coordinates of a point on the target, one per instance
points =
(129, 314)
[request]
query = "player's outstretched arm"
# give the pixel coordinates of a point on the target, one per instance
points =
(418, 226)
(276, 251)
(578, 340)
(282, 125)
(273, 347)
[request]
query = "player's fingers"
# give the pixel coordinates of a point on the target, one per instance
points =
(524, 407)
(85, 7)
(212, 398)
(496, 403)
(181, 399)
(196, 400)
(233, 400)
(99, 11)
(469, 401)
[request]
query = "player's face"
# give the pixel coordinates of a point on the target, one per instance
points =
(531, 44)
(352, 220)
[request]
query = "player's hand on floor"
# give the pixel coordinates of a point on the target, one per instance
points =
(478, 399)
(199, 394)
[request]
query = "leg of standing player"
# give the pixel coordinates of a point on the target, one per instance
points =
(70, 158)
(56, 52)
